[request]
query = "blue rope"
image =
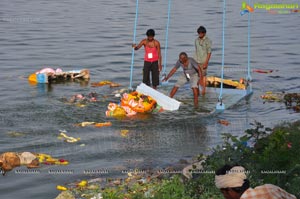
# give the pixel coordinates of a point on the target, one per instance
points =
(223, 49)
(134, 41)
(249, 55)
(167, 35)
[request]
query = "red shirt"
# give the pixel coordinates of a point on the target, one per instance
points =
(151, 54)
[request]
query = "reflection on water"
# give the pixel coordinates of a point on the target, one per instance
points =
(44, 88)
(97, 35)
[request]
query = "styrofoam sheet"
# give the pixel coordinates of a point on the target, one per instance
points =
(166, 102)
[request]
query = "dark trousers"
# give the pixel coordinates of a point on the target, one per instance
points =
(151, 67)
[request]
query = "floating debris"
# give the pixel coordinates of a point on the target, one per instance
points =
(292, 100)
(10, 160)
(123, 90)
(81, 100)
(272, 97)
(80, 105)
(61, 188)
(15, 134)
(124, 133)
(49, 75)
(48, 159)
(227, 83)
(68, 138)
(131, 104)
(82, 183)
(105, 82)
(95, 124)
(265, 71)
(103, 124)
(84, 124)
(224, 122)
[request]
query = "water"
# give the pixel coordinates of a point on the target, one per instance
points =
(97, 35)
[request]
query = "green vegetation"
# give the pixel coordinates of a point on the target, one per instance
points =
(273, 158)
(269, 155)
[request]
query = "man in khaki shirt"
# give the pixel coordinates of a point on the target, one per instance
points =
(202, 54)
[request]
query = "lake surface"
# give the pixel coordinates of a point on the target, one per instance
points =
(97, 35)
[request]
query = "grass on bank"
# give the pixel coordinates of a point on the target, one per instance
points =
(269, 155)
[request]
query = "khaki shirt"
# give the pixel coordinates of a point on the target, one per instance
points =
(203, 47)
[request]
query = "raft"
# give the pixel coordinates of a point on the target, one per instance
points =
(48, 75)
(232, 93)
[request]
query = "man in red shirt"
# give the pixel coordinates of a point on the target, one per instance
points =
(152, 58)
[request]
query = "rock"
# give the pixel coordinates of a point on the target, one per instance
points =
(195, 166)
(65, 195)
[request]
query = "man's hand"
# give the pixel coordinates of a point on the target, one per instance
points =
(159, 67)
(199, 81)
(205, 65)
(135, 46)
(165, 78)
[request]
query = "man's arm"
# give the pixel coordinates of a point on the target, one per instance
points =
(142, 43)
(200, 71)
(170, 74)
(159, 55)
(205, 64)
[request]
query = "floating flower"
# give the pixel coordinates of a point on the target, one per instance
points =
(224, 122)
(82, 183)
(83, 124)
(124, 132)
(61, 188)
(103, 124)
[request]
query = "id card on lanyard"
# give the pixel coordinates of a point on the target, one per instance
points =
(150, 55)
